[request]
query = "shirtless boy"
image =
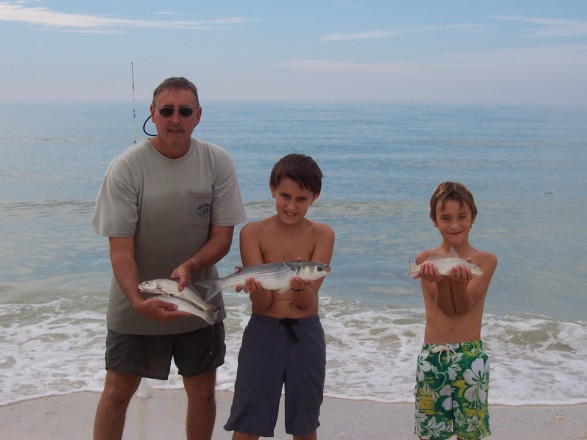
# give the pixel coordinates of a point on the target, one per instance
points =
(284, 340)
(453, 369)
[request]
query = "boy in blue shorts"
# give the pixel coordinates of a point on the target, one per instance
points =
(453, 369)
(283, 343)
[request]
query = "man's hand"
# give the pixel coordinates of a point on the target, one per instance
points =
(182, 274)
(157, 310)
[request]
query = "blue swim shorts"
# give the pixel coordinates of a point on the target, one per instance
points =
(275, 352)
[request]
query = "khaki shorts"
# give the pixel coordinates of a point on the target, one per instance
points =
(150, 356)
(451, 391)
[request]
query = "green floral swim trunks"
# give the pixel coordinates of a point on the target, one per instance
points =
(451, 391)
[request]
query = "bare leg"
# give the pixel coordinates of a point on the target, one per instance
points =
(111, 412)
(311, 436)
(201, 412)
(243, 436)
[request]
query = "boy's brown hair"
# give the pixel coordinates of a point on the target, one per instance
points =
(452, 191)
(301, 169)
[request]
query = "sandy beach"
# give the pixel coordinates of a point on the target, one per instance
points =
(162, 416)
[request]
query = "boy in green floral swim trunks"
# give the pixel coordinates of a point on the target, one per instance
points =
(453, 370)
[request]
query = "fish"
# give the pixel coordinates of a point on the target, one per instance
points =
(183, 306)
(271, 276)
(445, 264)
(186, 300)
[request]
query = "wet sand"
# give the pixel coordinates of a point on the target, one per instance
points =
(162, 415)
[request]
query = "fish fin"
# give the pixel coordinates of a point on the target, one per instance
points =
(452, 253)
(210, 316)
(282, 291)
(184, 306)
(211, 294)
(293, 265)
(194, 295)
(433, 257)
(412, 269)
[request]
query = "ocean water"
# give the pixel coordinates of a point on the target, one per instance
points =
(527, 168)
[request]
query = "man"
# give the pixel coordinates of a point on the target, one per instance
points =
(169, 206)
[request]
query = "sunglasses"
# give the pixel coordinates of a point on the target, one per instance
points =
(186, 112)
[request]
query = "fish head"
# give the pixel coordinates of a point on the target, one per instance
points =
(151, 286)
(310, 270)
(475, 270)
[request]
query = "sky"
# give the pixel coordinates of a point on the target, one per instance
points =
(328, 51)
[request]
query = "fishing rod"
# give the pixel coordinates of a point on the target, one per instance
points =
(134, 112)
(143, 389)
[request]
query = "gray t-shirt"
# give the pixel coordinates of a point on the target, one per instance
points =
(168, 205)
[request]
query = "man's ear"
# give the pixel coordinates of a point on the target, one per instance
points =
(272, 189)
(199, 116)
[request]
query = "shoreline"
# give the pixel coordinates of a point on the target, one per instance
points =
(162, 415)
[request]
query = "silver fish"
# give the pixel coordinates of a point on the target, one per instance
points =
(445, 264)
(271, 276)
(187, 300)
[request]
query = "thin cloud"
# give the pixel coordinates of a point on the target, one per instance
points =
(548, 27)
(539, 58)
(552, 74)
(362, 35)
(315, 66)
(14, 12)
(370, 35)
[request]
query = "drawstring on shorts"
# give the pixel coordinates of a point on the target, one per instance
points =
(212, 340)
(445, 348)
(289, 325)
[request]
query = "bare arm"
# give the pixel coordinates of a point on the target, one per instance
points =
(125, 271)
(433, 284)
(467, 290)
(211, 253)
(303, 293)
(251, 255)
(307, 298)
(459, 292)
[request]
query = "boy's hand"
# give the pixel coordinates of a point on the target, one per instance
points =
(460, 274)
(297, 284)
(429, 272)
(250, 286)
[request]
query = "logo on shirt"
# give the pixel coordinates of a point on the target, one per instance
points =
(204, 210)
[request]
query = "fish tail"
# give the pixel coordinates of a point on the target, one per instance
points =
(210, 316)
(213, 288)
(413, 269)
